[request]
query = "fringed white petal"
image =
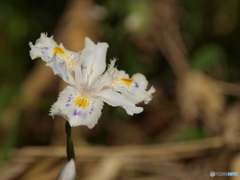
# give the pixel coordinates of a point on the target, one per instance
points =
(133, 88)
(43, 48)
(116, 99)
(76, 109)
(56, 56)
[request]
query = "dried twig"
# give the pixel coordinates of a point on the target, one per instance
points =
(168, 151)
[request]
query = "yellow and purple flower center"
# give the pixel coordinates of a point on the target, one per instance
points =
(82, 102)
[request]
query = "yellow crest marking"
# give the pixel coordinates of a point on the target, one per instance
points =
(127, 82)
(81, 102)
(59, 51)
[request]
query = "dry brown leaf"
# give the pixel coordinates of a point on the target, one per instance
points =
(231, 125)
(200, 97)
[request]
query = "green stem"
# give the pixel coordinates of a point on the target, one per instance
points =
(70, 149)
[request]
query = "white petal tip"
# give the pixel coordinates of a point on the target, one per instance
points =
(88, 42)
(68, 172)
(148, 97)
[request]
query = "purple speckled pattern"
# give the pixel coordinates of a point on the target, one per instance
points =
(75, 112)
(69, 100)
(43, 51)
(83, 114)
(80, 113)
(44, 48)
(131, 93)
(136, 85)
(91, 110)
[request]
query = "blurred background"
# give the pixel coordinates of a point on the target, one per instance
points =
(188, 50)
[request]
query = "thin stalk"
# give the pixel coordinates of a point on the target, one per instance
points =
(70, 148)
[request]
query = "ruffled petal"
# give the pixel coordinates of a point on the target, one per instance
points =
(60, 68)
(77, 109)
(43, 48)
(93, 59)
(116, 99)
(56, 56)
(133, 88)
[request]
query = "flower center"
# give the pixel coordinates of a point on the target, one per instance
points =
(82, 102)
(86, 92)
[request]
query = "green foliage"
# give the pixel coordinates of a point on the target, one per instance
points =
(7, 93)
(207, 56)
(191, 133)
(11, 139)
(193, 17)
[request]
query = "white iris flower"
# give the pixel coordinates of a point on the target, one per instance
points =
(89, 83)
